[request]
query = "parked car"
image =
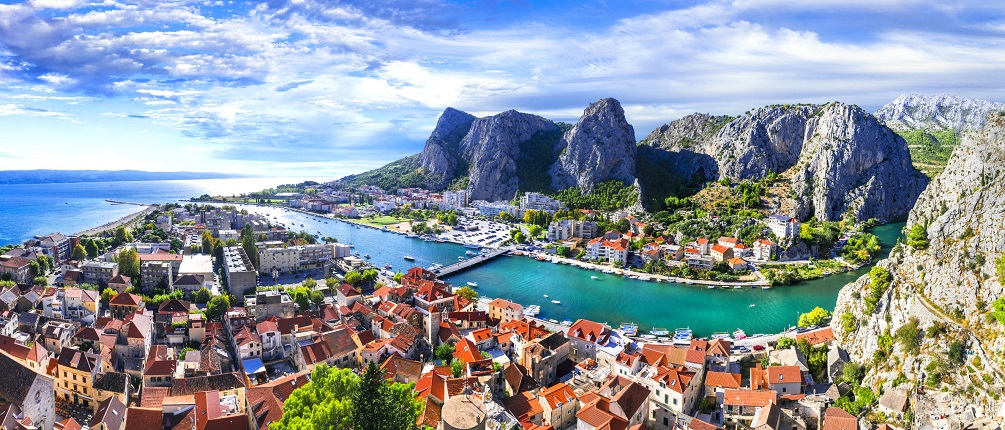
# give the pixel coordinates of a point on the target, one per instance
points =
(758, 347)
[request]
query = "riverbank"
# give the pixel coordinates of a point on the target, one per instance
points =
(126, 220)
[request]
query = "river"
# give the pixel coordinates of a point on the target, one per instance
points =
(611, 299)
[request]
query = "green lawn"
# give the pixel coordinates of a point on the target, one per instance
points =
(383, 220)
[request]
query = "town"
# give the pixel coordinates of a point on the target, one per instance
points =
(206, 318)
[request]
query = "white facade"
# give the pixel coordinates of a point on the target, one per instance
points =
(455, 199)
(540, 202)
(783, 226)
(569, 228)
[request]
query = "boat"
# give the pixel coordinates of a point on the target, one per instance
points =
(648, 336)
(556, 302)
(689, 283)
(682, 335)
(629, 329)
(546, 296)
(387, 267)
(532, 310)
(409, 258)
(766, 287)
(711, 287)
(366, 256)
(720, 335)
(657, 331)
(737, 287)
(663, 339)
(472, 245)
(470, 254)
(566, 322)
(460, 258)
(752, 305)
(594, 277)
(644, 278)
(739, 335)
(553, 321)
(472, 284)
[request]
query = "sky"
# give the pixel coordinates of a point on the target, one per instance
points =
(328, 88)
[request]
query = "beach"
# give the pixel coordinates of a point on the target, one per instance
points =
(128, 219)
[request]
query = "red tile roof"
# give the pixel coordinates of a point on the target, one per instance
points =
(759, 398)
(784, 375)
(838, 419)
(589, 331)
(817, 337)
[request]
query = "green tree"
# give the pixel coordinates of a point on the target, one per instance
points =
(129, 262)
(1000, 268)
(40, 281)
(107, 294)
(785, 342)
(457, 368)
(444, 352)
(353, 277)
(331, 283)
(378, 405)
(91, 247)
(814, 317)
(909, 336)
(202, 296)
(468, 293)
(216, 307)
(957, 352)
(853, 373)
(326, 402)
(122, 235)
(562, 251)
(79, 253)
(398, 276)
(310, 283)
(998, 309)
(917, 237)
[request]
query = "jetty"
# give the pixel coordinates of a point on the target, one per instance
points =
(461, 266)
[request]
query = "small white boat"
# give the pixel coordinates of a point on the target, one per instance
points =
(546, 296)
(737, 287)
(765, 287)
(472, 284)
(711, 287)
(752, 305)
(409, 258)
(657, 331)
(739, 335)
(556, 302)
(594, 277)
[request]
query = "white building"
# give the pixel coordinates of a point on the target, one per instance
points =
(783, 226)
(199, 265)
(294, 258)
(495, 208)
(614, 251)
(455, 199)
(540, 202)
(569, 228)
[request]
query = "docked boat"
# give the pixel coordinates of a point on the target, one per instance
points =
(739, 335)
(556, 302)
(435, 266)
(766, 287)
(644, 278)
(737, 287)
(657, 331)
(460, 258)
(711, 287)
(470, 253)
(409, 258)
(387, 267)
(663, 339)
(648, 336)
(472, 245)
(629, 329)
(532, 310)
(472, 284)
(682, 335)
(566, 323)
(553, 321)
(720, 335)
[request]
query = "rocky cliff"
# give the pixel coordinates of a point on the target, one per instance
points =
(492, 148)
(600, 147)
(939, 112)
(839, 159)
(440, 158)
(949, 283)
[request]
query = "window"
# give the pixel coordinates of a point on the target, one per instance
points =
(666, 422)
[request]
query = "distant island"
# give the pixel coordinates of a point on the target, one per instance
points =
(50, 176)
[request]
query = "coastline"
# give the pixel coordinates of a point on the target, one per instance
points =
(128, 219)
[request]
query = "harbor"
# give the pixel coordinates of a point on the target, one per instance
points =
(593, 294)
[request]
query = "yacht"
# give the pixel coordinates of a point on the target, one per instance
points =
(682, 334)
(409, 258)
(566, 322)
(739, 335)
(720, 335)
(657, 331)
(472, 284)
(556, 302)
(629, 329)
(472, 245)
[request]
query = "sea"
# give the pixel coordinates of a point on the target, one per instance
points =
(27, 210)
(30, 209)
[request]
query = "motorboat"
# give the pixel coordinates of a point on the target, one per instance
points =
(682, 335)
(470, 253)
(546, 296)
(566, 323)
(472, 284)
(752, 305)
(657, 331)
(739, 335)
(556, 302)
(366, 256)
(720, 335)
(629, 329)
(387, 267)
(594, 277)
(711, 287)
(409, 258)
(472, 245)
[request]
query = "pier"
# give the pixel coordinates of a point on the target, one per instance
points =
(461, 266)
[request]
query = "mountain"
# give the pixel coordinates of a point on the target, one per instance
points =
(67, 176)
(497, 156)
(939, 112)
(601, 146)
(838, 159)
(932, 125)
(943, 283)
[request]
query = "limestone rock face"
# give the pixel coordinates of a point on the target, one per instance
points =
(943, 111)
(600, 147)
(840, 160)
(492, 148)
(439, 158)
(954, 274)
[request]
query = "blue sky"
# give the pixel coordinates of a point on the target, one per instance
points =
(328, 88)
